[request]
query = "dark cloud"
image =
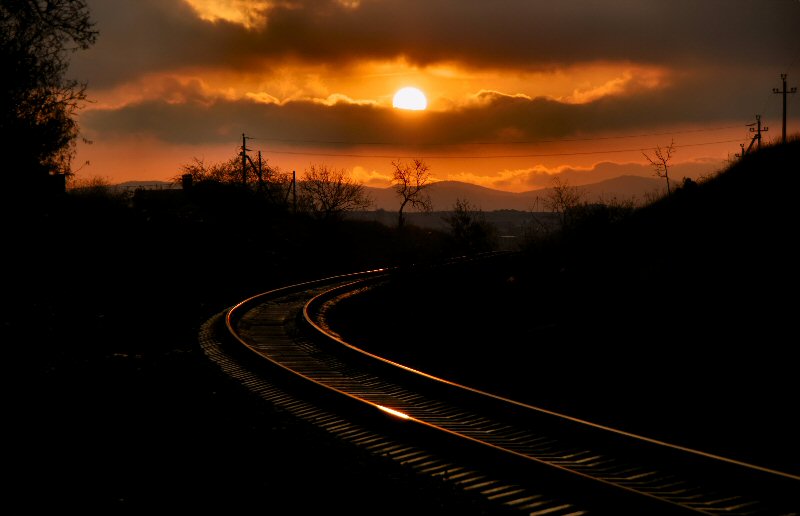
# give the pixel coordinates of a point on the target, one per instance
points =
(138, 36)
(185, 115)
(724, 59)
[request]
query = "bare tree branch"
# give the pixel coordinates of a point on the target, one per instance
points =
(328, 193)
(660, 161)
(562, 199)
(410, 180)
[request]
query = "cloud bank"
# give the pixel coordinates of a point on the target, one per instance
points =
(500, 75)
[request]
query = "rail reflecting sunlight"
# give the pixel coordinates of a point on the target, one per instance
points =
(394, 412)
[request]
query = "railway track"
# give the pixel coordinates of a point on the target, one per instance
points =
(515, 457)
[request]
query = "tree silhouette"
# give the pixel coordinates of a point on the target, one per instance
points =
(228, 172)
(271, 183)
(327, 193)
(469, 228)
(660, 161)
(37, 102)
(410, 181)
(563, 199)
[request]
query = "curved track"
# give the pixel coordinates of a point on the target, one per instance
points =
(516, 457)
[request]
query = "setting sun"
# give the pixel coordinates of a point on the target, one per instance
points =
(410, 98)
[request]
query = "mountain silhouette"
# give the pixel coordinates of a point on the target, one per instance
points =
(444, 194)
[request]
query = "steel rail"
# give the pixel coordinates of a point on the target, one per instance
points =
(311, 319)
(664, 474)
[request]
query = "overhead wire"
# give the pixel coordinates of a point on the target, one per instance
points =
(495, 156)
(513, 142)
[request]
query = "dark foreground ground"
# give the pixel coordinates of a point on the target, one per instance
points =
(140, 422)
(109, 405)
(682, 332)
(168, 434)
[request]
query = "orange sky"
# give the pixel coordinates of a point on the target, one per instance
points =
(517, 90)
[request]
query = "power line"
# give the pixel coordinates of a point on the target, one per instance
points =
(517, 142)
(494, 156)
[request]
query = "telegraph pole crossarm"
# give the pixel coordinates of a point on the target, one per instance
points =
(783, 92)
(758, 130)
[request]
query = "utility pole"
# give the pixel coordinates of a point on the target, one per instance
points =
(244, 158)
(784, 91)
(740, 154)
(260, 173)
(757, 137)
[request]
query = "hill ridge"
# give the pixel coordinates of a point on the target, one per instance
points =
(445, 193)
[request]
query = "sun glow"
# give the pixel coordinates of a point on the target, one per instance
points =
(410, 98)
